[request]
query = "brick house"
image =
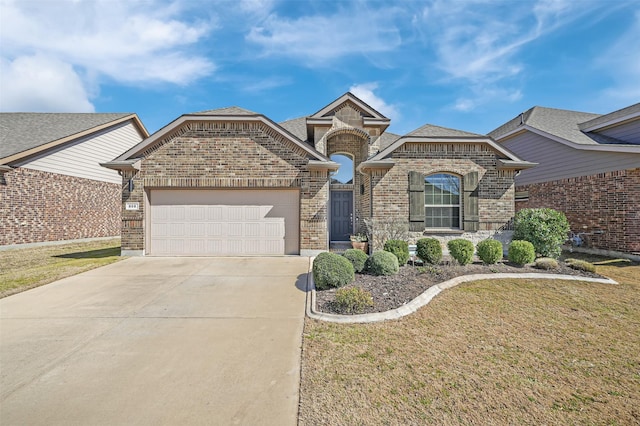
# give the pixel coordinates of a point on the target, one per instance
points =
(52, 187)
(589, 168)
(231, 181)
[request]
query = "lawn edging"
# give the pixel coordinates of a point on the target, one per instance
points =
(424, 298)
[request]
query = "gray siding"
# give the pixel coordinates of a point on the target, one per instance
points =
(558, 161)
(82, 158)
(628, 132)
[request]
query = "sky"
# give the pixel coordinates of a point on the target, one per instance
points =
(465, 64)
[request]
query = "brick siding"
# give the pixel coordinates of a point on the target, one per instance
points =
(605, 206)
(223, 155)
(38, 206)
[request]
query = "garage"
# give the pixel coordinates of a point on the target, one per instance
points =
(223, 222)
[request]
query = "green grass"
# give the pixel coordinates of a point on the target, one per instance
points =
(22, 269)
(496, 352)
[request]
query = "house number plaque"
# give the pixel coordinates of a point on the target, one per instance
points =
(132, 206)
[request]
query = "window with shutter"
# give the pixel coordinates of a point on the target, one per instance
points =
(442, 201)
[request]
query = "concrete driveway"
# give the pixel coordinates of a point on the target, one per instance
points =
(180, 341)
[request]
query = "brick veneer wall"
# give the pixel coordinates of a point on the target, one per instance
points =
(222, 155)
(606, 206)
(495, 187)
(38, 206)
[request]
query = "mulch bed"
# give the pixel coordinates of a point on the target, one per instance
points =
(393, 291)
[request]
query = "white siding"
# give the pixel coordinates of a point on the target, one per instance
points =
(628, 132)
(83, 157)
(558, 161)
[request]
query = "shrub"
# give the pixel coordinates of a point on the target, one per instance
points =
(461, 250)
(429, 250)
(545, 228)
(357, 258)
(382, 263)
(521, 252)
(546, 263)
(399, 248)
(489, 251)
(353, 299)
(581, 265)
(332, 270)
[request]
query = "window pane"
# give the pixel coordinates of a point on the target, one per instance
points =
(442, 200)
(345, 172)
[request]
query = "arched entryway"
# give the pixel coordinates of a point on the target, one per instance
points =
(341, 198)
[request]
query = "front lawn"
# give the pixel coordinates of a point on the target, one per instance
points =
(22, 269)
(490, 352)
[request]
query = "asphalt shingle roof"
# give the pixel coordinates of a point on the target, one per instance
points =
(232, 110)
(21, 131)
(297, 127)
(429, 130)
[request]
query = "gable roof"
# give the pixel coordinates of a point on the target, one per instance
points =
(297, 126)
(131, 157)
(365, 109)
(434, 134)
(566, 127)
(25, 133)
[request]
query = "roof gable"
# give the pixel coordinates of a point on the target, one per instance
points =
(348, 99)
(24, 134)
(178, 126)
(431, 130)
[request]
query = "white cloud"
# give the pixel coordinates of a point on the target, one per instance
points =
(128, 42)
(365, 92)
(477, 42)
(622, 63)
(320, 38)
(41, 84)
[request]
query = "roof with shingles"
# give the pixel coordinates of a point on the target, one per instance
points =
(232, 110)
(429, 130)
(561, 123)
(21, 131)
(297, 127)
(631, 110)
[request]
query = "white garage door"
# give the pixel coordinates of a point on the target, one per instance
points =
(223, 222)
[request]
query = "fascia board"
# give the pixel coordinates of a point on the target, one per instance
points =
(612, 122)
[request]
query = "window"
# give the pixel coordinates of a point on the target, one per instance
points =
(442, 201)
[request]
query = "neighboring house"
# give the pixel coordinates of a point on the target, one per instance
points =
(52, 187)
(233, 182)
(589, 168)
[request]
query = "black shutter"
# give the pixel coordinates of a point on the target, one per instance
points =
(416, 201)
(470, 202)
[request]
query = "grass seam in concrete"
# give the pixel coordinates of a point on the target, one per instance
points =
(426, 297)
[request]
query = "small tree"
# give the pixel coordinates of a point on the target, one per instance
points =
(545, 228)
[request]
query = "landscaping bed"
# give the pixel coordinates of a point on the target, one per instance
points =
(392, 291)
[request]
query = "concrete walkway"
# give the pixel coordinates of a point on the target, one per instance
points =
(152, 341)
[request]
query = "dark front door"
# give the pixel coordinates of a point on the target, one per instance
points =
(341, 215)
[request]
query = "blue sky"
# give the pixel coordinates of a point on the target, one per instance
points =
(469, 65)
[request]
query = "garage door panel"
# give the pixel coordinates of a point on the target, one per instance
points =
(224, 222)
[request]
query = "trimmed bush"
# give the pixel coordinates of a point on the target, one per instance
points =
(357, 258)
(581, 265)
(489, 251)
(546, 263)
(546, 229)
(353, 299)
(461, 250)
(399, 248)
(382, 263)
(521, 252)
(332, 270)
(429, 250)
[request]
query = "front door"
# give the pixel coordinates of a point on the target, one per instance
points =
(341, 215)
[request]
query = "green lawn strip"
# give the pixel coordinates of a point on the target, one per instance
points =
(23, 269)
(488, 352)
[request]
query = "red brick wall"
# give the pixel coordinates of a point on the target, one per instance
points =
(606, 202)
(39, 206)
